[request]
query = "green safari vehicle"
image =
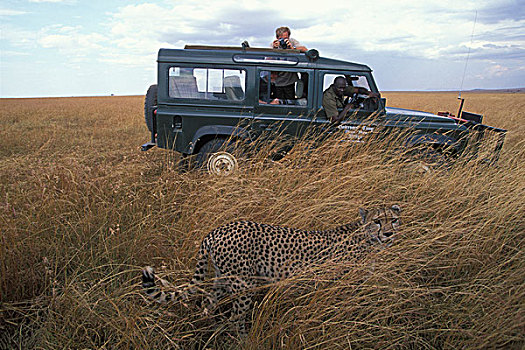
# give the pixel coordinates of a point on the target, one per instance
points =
(207, 97)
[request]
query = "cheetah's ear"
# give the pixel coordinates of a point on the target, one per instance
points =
(396, 208)
(364, 213)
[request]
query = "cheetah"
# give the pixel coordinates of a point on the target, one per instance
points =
(245, 253)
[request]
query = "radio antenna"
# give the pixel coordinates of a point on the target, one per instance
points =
(468, 55)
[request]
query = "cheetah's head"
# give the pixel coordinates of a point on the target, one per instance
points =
(381, 224)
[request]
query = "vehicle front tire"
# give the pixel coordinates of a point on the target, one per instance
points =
(429, 159)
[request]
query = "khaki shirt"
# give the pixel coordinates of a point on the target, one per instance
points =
(286, 78)
(331, 102)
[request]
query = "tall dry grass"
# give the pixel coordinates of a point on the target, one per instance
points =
(82, 210)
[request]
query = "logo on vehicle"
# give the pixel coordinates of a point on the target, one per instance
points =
(355, 133)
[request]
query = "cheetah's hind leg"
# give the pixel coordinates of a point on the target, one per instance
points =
(242, 302)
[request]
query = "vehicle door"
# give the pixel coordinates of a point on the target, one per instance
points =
(282, 111)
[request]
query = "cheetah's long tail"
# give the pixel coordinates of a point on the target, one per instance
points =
(153, 291)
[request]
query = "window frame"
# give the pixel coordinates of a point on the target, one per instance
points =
(203, 100)
(309, 93)
(360, 113)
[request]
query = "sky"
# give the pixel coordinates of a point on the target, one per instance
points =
(104, 47)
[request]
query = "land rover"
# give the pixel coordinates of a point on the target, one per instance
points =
(208, 97)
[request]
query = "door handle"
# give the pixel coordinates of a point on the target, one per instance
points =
(266, 126)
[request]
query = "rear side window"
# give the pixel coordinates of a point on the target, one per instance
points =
(215, 84)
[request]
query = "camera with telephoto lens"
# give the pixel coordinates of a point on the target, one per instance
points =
(283, 44)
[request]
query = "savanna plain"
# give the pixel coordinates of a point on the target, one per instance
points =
(82, 210)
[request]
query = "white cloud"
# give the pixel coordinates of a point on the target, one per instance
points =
(9, 53)
(494, 71)
(497, 70)
(8, 12)
(19, 38)
(39, 1)
(70, 40)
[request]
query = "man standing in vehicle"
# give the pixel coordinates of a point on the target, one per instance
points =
(333, 98)
(285, 81)
(284, 41)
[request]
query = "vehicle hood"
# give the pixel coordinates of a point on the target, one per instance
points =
(413, 115)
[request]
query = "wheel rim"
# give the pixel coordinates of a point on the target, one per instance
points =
(222, 164)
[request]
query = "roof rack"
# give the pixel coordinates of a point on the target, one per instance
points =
(237, 48)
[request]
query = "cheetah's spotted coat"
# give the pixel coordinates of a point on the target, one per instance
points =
(243, 253)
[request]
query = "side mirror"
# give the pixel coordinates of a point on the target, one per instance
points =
(382, 105)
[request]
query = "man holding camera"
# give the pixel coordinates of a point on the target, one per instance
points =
(285, 81)
(283, 40)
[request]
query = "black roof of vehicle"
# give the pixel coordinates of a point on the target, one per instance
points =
(254, 56)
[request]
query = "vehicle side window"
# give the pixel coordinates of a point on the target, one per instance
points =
(285, 88)
(352, 79)
(207, 83)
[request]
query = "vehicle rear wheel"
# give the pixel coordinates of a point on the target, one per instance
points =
(217, 156)
(222, 164)
(150, 103)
